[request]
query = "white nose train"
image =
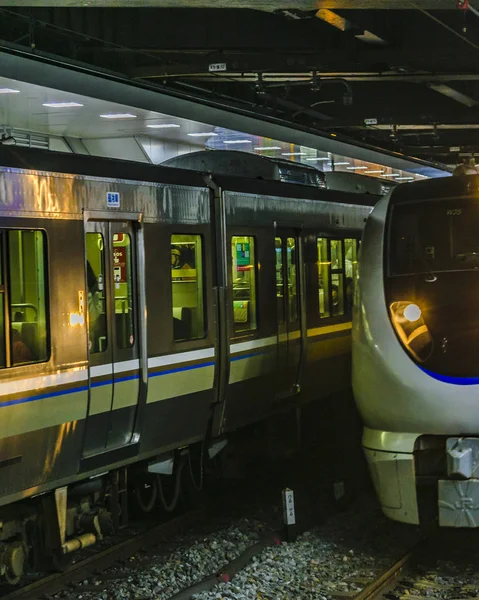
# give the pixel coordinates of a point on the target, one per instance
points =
(416, 350)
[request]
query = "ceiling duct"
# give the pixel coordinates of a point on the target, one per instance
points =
(25, 139)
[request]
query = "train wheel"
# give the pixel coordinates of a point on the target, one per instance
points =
(15, 562)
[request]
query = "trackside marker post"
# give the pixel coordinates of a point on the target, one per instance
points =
(289, 515)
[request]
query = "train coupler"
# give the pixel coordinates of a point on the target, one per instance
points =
(458, 496)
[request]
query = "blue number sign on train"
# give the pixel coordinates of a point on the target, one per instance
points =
(113, 199)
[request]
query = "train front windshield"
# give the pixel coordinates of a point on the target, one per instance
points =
(432, 283)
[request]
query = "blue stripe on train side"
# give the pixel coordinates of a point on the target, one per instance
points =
(450, 379)
(84, 388)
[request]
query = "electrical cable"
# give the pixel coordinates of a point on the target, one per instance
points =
(148, 506)
(170, 506)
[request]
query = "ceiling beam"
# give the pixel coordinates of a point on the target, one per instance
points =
(264, 5)
(428, 127)
(450, 92)
(273, 63)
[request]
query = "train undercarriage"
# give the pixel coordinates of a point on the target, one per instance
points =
(41, 533)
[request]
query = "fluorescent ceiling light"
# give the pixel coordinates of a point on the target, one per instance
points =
(238, 142)
(293, 153)
(404, 178)
(118, 116)
(9, 91)
(374, 171)
(163, 126)
(204, 134)
(319, 158)
(339, 164)
(62, 104)
(259, 148)
(391, 175)
(356, 168)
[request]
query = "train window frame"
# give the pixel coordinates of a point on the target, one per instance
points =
(7, 340)
(341, 271)
(122, 341)
(292, 282)
(251, 331)
(97, 302)
(280, 300)
(200, 293)
(336, 276)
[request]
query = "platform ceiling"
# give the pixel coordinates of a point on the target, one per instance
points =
(398, 75)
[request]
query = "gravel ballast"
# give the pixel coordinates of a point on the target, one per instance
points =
(323, 563)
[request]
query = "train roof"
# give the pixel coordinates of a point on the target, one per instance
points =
(250, 165)
(291, 190)
(359, 184)
(93, 166)
(436, 188)
(76, 164)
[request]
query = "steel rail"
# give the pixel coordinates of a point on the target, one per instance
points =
(386, 581)
(83, 569)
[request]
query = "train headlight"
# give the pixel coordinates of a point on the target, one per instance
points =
(412, 312)
(411, 329)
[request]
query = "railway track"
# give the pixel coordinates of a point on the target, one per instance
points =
(83, 569)
(442, 566)
(398, 581)
(388, 580)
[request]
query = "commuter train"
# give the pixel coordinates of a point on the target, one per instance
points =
(146, 313)
(415, 337)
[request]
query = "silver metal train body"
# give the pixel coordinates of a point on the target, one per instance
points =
(415, 343)
(147, 309)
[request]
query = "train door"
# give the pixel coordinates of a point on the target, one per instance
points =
(113, 334)
(288, 309)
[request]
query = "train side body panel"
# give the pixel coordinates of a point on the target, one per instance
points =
(157, 394)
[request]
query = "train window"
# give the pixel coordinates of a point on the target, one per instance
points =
(123, 286)
(187, 281)
(337, 268)
(351, 247)
(244, 283)
(337, 277)
(278, 243)
(292, 284)
(324, 267)
(27, 296)
(97, 328)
